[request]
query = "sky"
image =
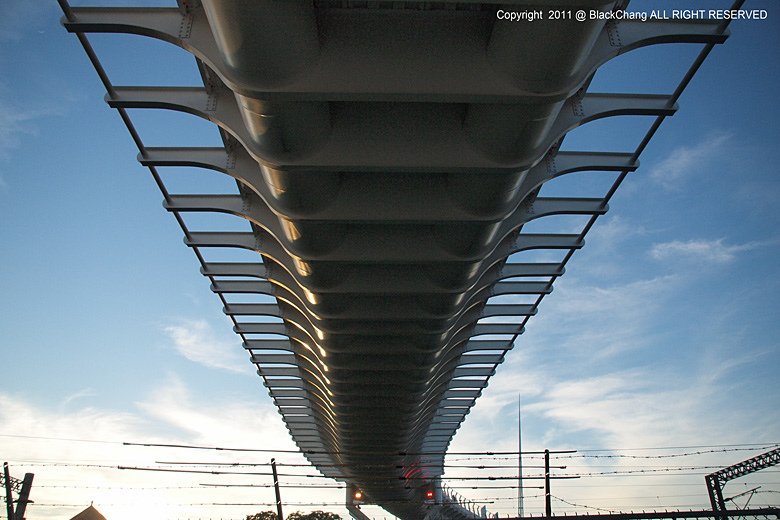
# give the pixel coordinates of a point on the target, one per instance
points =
(656, 357)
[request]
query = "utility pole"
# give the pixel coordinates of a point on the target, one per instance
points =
(9, 499)
(547, 477)
(276, 488)
(24, 494)
(20, 486)
(547, 498)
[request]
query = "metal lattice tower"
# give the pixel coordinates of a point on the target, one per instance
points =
(387, 156)
(716, 481)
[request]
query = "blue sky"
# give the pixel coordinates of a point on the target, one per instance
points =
(663, 332)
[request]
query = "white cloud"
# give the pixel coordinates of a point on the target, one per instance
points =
(197, 341)
(706, 251)
(577, 393)
(87, 392)
(628, 411)
(593, 322)
(75, 455)
(611, 231)
(621, 406)
(15, 123)
(606, 249)
(580, 328)
(687, 160)
(86, 423)
(652, 406)
(234, 423)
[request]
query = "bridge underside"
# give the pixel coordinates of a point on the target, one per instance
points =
(387, 157)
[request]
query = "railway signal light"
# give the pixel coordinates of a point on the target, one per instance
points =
(355, 496)
(428, 495)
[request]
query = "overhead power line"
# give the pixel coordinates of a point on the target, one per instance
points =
(754, 445)
(65, 439)
(671, 455)
(351, 452)
(368, 466)
(584, 453)
(296, 475)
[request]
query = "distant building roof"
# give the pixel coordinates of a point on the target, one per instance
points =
(89, 513)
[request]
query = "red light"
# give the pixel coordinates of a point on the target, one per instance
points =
(429, 494)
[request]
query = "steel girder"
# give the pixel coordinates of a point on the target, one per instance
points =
(715, 481)
(387, 157)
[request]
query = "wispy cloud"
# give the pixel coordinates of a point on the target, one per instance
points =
(611, 231)
(653, 406)
(197, 341)
(701, 251)
(580, 328)
(617, 410)
(87, 392)
(18, 121)
(687, 160)
(622, 407)
(237, 423)
(593, 322)
(18, 16)
(14, 123)
(74, 454)
(19, 417)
